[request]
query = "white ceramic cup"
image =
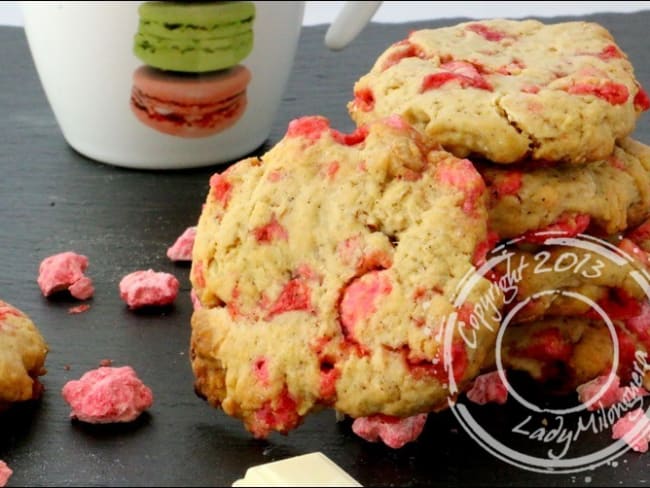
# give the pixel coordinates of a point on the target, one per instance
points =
(140, 108)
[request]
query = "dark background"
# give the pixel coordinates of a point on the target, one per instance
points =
(52, 200)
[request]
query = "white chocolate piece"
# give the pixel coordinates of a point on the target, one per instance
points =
(313, 469)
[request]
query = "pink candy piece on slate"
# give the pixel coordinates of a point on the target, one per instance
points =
(607, 396)
(590, 390)
(65, 271)
(181, 250)
(84, 307)
(636, 419)
(488, 388)
(106, 395)
(486, 32)
(5, 473)
(82, 288)
(148, 289)
(393, 431)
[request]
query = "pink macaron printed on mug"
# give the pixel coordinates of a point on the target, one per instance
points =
(170, 84)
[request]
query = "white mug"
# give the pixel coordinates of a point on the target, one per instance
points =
(170, 85)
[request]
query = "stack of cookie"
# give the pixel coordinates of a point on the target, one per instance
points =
(327, 272)
(545, 113)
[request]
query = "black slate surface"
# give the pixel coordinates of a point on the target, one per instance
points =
(52, 200)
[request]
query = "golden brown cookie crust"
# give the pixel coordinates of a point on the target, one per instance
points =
(613, 194)
(22, 356)
(563, 280)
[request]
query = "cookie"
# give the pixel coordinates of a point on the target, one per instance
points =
(508, 90)
(604, 197)
(562, 280)
(22, 357)
(565, 352)
(326, 272)
(194, 37)
(640, 236)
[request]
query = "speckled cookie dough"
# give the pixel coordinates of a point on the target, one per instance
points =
(508, 90)
(605, 197)
(325, 271)
(22, 357)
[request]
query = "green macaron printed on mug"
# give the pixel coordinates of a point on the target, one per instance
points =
(169, 85)
(194, 37)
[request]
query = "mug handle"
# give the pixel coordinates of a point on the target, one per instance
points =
(351, 20)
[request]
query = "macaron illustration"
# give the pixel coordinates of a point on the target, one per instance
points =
(189, 105)
(191, 84)
(194, 37)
